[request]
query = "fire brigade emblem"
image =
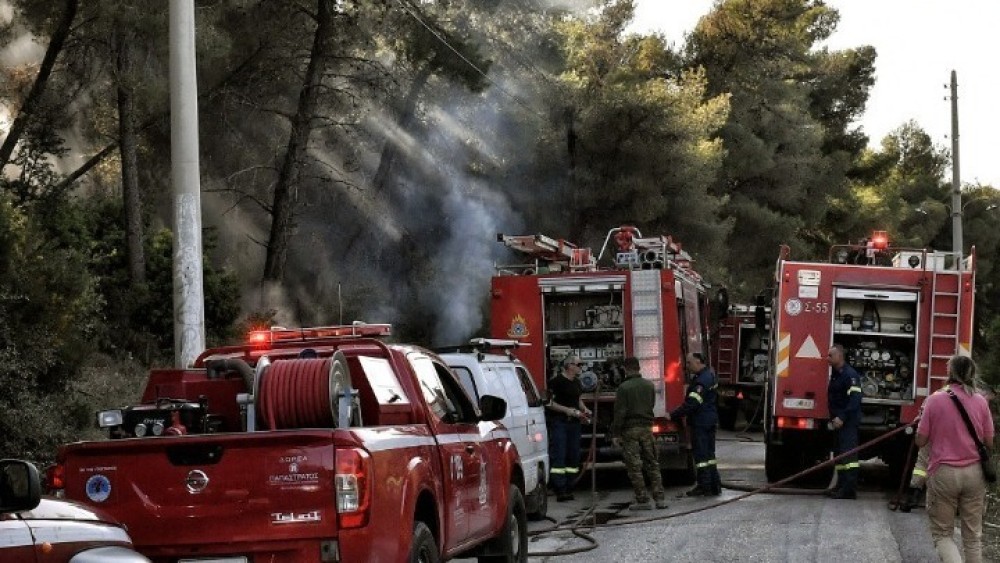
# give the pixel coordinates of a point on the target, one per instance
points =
(98, 488)
(793, 307)
(518, 328)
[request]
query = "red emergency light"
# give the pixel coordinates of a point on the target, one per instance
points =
(280, 334)
(880, 240)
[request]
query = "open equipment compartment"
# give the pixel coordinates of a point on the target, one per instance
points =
(587, 322)
(878, 331)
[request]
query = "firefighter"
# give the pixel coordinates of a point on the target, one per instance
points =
(563, 415)
(700, 408)
(844, 400)
(632, 431)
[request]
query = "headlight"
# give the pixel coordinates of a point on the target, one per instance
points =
(107, 419)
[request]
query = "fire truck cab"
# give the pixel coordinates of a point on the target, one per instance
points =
(899, 314)
(647, 302)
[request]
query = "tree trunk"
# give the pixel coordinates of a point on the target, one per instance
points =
(390, 151)
(30, 104)
(285, 189)
(127, 142)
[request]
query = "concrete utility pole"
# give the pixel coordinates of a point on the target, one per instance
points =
(956, 182)
(189, 297)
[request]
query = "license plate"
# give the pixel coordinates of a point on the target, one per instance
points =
(216, 560)
(799, 404)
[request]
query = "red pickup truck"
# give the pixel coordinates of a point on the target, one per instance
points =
(322, 444)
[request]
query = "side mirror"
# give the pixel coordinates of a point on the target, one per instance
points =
(493, 408)
(20, 486)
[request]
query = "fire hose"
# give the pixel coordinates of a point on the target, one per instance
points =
(580, 524)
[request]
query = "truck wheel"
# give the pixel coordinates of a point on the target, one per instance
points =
(674, 475)
(512, 543)
(778, 464)
(423, 549)
(541, 504)
(727, 418)
(781, 462)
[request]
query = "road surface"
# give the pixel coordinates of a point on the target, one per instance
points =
(762, 528)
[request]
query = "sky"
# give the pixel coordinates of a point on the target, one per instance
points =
(919, 43)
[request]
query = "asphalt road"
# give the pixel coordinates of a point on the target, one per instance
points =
(762, 528)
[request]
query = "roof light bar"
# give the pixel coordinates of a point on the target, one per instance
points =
(280, 334)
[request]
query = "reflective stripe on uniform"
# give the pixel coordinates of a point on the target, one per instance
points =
(847, 466)
(853, 390)
(705, 464)
(558, 470)
(571, 470)
(919, 472)
(695, 396)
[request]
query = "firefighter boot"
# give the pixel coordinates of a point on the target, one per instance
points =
(704, 486)
(716, 482)
(911, 500)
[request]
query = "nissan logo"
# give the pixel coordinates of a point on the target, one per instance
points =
(196, 481)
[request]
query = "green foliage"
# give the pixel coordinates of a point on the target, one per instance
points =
(642, 146)
(788, 146)
(49, 312)
(139, 319)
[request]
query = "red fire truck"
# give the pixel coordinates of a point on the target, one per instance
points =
(647, 302)
(740, 343)
(899, 314)
(318, 444)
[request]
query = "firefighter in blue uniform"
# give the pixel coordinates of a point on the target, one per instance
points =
(700, 409)
(844, 399)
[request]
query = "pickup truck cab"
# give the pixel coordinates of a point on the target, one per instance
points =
(322, 444)
(34, 529)
(502, 375)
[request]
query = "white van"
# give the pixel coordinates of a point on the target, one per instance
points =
(504, 376)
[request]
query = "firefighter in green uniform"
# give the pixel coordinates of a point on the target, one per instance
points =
(632, 428)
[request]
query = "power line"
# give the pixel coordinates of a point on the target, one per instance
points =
(471, 64)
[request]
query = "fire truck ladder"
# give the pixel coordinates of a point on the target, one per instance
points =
(946, 311)
(551, 250)
(727, 350)
(647, 331)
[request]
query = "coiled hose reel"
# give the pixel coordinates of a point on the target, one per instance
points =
(305, 393)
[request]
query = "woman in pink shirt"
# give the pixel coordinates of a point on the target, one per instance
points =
(955, 482)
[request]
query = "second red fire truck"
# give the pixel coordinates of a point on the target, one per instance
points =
(645, 301)
(899, 314)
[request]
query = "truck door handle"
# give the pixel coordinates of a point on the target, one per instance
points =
(470, 449)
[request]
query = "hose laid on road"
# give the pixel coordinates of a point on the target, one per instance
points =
(760, 490)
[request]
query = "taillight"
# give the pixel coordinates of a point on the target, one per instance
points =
(661, 425)
(796, 422)
(55, 480)
(352, 482)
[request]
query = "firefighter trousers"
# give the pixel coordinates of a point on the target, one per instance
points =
(564, 453)
(703, 450)
(848, 467)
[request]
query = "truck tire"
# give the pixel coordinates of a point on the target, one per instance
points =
(781, 462)
(423, 548)
(778, 463)
(511, 546)
(727, 418)
(540, 506)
